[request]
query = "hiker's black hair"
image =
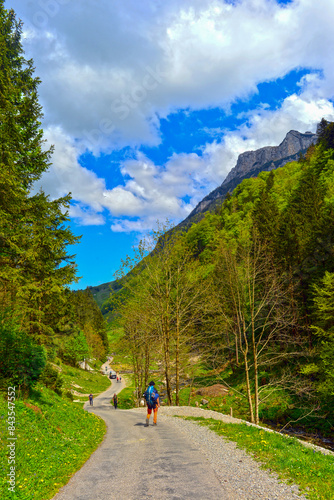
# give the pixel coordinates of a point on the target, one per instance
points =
(151, 383)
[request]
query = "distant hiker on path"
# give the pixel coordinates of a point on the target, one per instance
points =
(115, 401)
(90, 399)
(151, 396)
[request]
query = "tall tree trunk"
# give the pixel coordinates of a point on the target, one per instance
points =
(147, 363)
(256, 378)
(245, 351)
(167, 361)
(177, 359)
(249, 393)
(256, 388)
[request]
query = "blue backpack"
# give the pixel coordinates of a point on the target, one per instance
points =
(151, 395)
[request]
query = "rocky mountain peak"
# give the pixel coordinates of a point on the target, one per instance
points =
(293, 143)
(251, 163)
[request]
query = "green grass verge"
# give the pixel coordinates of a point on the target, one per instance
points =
(126, 398)
(311, 470)
(54, 439)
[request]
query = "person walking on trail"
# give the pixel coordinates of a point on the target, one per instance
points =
(90, 399)
(115, 401)
(152, 398)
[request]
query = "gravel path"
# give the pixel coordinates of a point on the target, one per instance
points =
(176, 460)
(240, 475)
(135, 462)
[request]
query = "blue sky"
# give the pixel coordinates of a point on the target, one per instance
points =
(149, 104)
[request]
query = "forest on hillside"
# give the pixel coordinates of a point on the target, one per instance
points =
(41, 319)
(248, 290)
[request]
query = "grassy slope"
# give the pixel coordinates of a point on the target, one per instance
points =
(54, 438)
(101, 293)
(88, 382)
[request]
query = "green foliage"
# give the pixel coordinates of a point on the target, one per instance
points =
(324, 329)
(325, 133)
(127, 398)
(101, 292)
(21, 361)
(324, 304)
(91, 321)
(75, 349)
(47, 268)
(21, 145)
(51, 378)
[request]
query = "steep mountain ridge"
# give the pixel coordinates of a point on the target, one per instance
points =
(250, 164)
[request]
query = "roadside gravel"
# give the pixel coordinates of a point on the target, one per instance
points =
(190, 411)
(240, 475)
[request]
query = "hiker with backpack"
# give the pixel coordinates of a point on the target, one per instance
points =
(151, 396)
(90, 399)
(115, 399)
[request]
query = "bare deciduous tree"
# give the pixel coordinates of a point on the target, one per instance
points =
(256, 308)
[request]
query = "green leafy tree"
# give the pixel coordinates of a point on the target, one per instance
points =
(266, 213)
(22, 360)
(91, 321)
(51, 378)
(75, 349)
(325, 131)
(163, 305)
(324, 329)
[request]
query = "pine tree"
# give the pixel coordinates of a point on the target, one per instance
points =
(46, 268)
(325, 131)
(21, 152)
(266, 214)
(35, 269)
(324, 329)
(22, 158)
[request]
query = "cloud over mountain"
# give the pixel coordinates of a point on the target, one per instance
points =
(112, 71)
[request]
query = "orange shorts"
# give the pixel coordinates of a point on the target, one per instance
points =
(155, 413)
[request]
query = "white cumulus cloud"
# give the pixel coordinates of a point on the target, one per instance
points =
(111, 70)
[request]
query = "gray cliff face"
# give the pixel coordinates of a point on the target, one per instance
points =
(293, 143)
(251, 163)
